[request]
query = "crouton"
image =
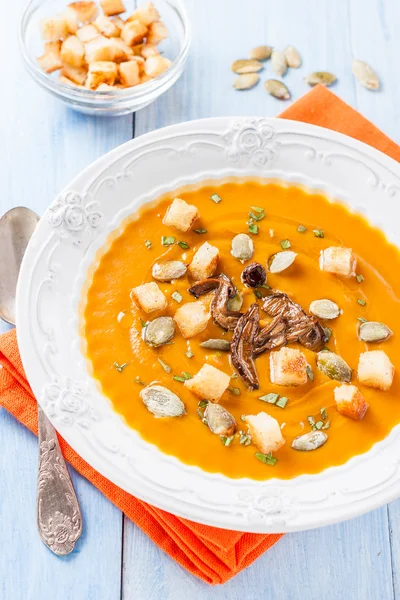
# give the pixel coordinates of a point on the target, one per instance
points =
(181, 215)
(375, 370)
(149, 297)
(288, 367)
(209, 383)
(50, 61)
(53, 47)
(156, 33)
(146, 14)
(204, 262)
(78, 76)
(133, 32)
(101, 71)
(87, 33)
(112, 7)
(122, 51)
(73, 52)
(192, 318)
(340, 261)
(67, 81)
(54, 29)
(155, 65)
(104, 87)
(106, 27)
(118, 22)
(102, 48)
(145, 78)
(148, 50)
(85, 11)
(350, 402)
(72, 22)
(129, 73)
(265, 432)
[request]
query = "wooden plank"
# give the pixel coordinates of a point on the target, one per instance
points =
(44, 145)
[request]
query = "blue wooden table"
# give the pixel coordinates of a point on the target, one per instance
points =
(44, 145)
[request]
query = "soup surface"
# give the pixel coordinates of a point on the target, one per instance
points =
(122, 362)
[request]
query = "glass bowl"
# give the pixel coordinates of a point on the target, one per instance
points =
(110, 102)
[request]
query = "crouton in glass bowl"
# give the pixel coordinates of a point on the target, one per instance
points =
(48, 66)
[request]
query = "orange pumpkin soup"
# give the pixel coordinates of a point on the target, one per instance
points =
(282, 218)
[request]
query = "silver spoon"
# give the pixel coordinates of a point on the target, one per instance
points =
(59, 519)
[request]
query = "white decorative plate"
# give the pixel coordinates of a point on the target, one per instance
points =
(55, 268)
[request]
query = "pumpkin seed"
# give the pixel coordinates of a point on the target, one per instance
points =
(246, 65)
(322, 77)
(261, 52)
(216, 344)
(277, 89)
(168, 270)
(324, 309)
(242, 247)
(292, 56)
(309, 441)
(333, 366)
(160, 401)
(365, 75)
(278, 62)
(372, 331)
(281, 261)
(159, 332)
(236, 302)
(219, 420)
(246, 81)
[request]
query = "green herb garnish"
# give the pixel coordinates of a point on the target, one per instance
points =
(285, 244)
(179, 378)
(309, 372)
(186, 375)
(189, 354)
(257, 294)
(319, 424)
(362, 320)
(253, 228)
(328, 333)
(184, 245)
(143, 323)
(167, 240)
(318, 233)
(120, 368)
(267, 459)
(200, 230)
(164, 365)
(215, 198)
(282, 402)
(148, 244)
(361, 302)
(270, 398)
(311, 422)
(258, 209)
(244, 439)
(359, 278)
(234, 390)
(137, 380)
(243, 418)
(324, 414)
(327, 425)
(176, 296)
(234, 376)
(325, 349)
(202, 403)
(227, 441)
(257, 215)
(301, 229)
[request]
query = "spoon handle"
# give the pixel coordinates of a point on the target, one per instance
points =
(59, 518)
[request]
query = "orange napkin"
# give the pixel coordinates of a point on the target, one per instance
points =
(214, 555)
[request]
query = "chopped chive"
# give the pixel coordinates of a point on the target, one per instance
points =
(265, 286)
(301, 229)
(257, 294)
(270, 398)
(257, 209)
(167, 240)
(282, 402)
(234, 390)
(184, 245)
(234, 376)
(189, 354)
(325, 349)
(186, 375)
(164, 365)
(202, 403)
(120, 368)
(361, 302)
(227, 441)
(319, 424)
(328, 333)
(243, 418)
(318, 233)
(324, 414)
(253, 228)
(267, 459)
(257, 217)
(285, 244)
(362, 320)
(327, 425)
(215, 198)
(309, 372)
(311, 421)
(176, 296)
(179, 378)
(137, 380)
(200, 230)
(244, 439)
(143, 323)
(148, 244)
(359, 278)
